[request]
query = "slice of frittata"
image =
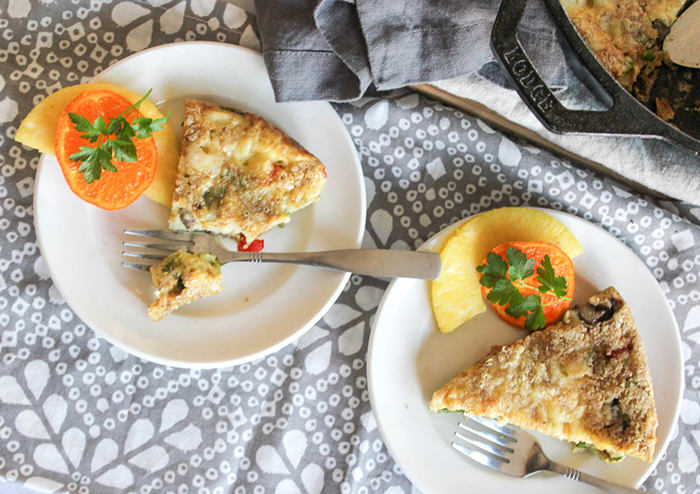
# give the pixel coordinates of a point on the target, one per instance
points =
(182, 278)
(584, 380)
(239, 174)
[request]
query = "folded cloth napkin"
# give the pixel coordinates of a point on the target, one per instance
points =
(335, 49)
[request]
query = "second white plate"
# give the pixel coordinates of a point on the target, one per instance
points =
(409, 359)
(264, 307)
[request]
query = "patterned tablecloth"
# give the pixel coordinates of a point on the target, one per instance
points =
(79, 415)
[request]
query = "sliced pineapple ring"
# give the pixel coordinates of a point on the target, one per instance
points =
(38, 131)
(456, 294)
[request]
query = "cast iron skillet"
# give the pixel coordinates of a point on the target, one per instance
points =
(625, 114)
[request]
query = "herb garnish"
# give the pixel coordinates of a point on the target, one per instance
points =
(94, 159)
(505, 278)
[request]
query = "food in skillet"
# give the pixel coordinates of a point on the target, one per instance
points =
(239, 175)
(50, 129)
(456, 295)
(583, 380)
(180, 279)
(624, 34)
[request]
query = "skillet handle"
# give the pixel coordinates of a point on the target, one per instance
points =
(626, 116)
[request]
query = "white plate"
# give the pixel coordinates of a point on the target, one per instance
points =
(409, 359)
(264, 307)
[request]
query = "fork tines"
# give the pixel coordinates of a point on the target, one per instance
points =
(485, 441)
(177, 241)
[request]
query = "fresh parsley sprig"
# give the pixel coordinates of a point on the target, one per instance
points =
(112, 140)
(505, 278)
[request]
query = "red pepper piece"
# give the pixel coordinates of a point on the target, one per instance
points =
(255, 246)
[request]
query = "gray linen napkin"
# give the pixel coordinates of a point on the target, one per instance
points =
(335, 49)
(302, 63)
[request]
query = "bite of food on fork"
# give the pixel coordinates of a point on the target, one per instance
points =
(180, 247)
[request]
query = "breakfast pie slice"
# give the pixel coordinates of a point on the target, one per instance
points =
(584, 380)
(182, 278)
(238, 174)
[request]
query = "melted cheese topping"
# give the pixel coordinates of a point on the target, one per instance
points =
(180, 279)
(239, 174)
(584, 382)
(621, 33)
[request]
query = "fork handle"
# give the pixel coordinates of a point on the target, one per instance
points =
(372, 262)
(604, 485)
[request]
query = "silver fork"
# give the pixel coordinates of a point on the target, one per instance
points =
(517, 453)
(372, 262)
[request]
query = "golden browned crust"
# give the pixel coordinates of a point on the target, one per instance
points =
(181, 278)
(238, 174)
(664, 110)
(584, 380)
(621, 33)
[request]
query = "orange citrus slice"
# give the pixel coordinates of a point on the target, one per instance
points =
(112, 190)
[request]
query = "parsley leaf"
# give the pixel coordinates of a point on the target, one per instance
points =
(93, 161)
(494, 270)
(505, 279)
(118, 125)
(126, 133)
(525, 306)
(91, 130)
(145, 126)
(548, 279)
(535, 320)
(84, 154)
(502, 292)
(123, 150)
(80, 123)
(114, 141)
(520, 266)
